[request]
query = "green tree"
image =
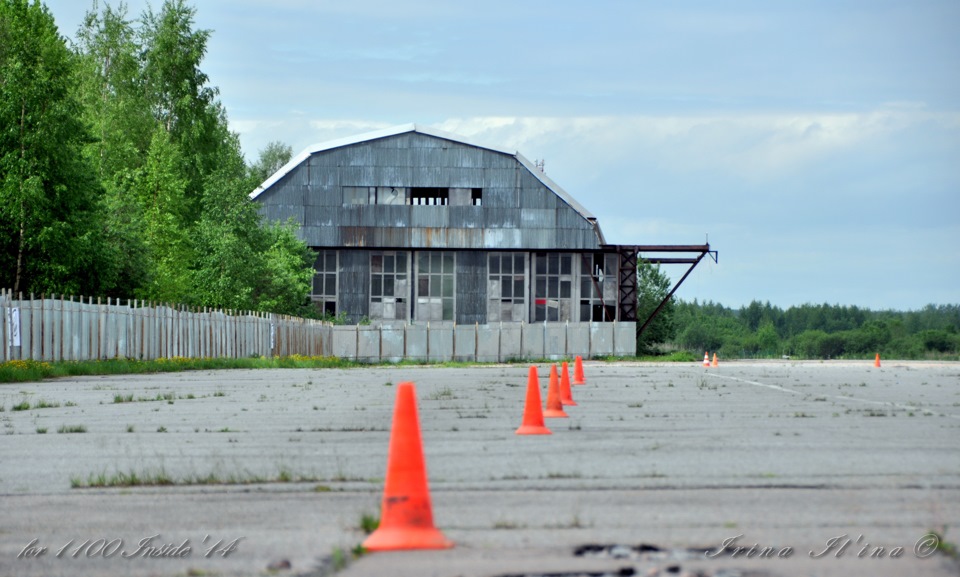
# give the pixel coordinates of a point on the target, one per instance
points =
(122, 125)
(284, 283)
(160, 189)
(112, 92)
(767, 339)
(49, 240)
(653, 286)
(272, 158)
(178, 92)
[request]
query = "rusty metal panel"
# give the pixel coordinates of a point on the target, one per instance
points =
(463, 237)
(355, 236)
(428, 238)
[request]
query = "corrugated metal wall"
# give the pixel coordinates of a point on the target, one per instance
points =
(517, 211)
(471, 301)
(353, 288)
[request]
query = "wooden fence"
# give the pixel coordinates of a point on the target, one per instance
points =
(80, 329)
(73, 329)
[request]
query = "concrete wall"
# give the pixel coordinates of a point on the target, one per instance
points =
(59, 329)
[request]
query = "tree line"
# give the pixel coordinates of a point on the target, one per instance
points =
(761, 330)
(119, 175)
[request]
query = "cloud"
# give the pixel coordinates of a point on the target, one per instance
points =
(755, 147)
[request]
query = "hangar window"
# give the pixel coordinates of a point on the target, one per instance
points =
(553, 286)
(506, 287)
(389, 285)
(598, 287)
(419, 195)
(429, 196)
(435, 286)
(375, 195)
(324, 293)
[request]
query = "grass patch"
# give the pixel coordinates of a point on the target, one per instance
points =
(72, 429)
(28, 370)
(445, 393)
(160, 477)
(369, 523)
(674, 357)
(555, 475)
(940, 544)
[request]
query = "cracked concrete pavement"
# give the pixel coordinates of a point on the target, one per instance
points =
(787, 456)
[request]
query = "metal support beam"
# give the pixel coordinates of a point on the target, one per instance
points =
(629, 255)
(663, 303)
(627, 294)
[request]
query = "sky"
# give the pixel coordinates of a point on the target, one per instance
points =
(815, 144)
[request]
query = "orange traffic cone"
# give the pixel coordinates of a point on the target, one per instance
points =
(876, 361)
(532, 411)
(706, 359)
(406, 517)
(566, 395)
(554, 406)
(714, 359)
(578, 378)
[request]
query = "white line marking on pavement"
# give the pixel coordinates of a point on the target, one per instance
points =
(840, 397)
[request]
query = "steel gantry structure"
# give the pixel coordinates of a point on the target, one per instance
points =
(630, 254)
